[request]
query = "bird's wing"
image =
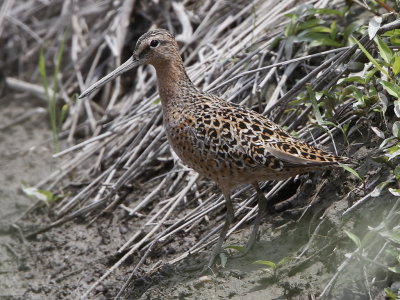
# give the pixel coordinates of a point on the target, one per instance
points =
(243, 136)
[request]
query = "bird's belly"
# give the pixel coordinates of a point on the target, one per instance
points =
(203, 162)
(223, 171)
(220, 171)
(226, 173)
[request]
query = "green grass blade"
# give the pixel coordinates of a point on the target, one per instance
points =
(267, 263)
(314, 104)
(392, 88)
(395, 192)
(384, 50)
(371, 59)
(354, 238)
(352, 171)
(42, 72)
(396, 65)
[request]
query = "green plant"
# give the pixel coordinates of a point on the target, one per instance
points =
(390, 294)
(56, 116)
(224, 256)
(46, 197)
(307, 26)
(274, 267)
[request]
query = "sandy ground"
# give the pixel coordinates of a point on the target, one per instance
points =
(25, 157)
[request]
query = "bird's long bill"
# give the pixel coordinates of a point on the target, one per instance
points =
(129, 64)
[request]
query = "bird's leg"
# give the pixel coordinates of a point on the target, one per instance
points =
(262, 204)
(228, 220)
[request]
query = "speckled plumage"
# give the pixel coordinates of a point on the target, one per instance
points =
(228, 143)
(233, 145)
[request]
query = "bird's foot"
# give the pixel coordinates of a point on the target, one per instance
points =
(243, 252)
(250, 244)
(208, 267)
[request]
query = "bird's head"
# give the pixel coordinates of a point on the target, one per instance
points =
(155, 47)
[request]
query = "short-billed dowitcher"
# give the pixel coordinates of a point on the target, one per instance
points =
(225, 142)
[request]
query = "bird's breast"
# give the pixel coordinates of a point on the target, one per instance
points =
(203, 149)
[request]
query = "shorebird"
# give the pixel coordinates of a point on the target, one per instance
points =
(230, 144)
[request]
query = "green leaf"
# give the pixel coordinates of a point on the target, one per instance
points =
(320, 39)
(384, 102)
(386, 142)
(315, 108)
(389, 293)
(42, 72)
(395, 192)
(396, 129)
(357, 94)
(378, 132)
(393, 152)
(266, 263)
(290, 15)
(327, 11)
(38, 194)
(314, 104)
(390, 33)
(396, 172)
(352, 171)
(357, 79)
(290, 29)
(395, 41)
(392, 88)
(396, 65)
(321, 29)
(237, 248)
(370, 74)
(308, 24)
(371, 59)
(354, 238)
(64, 112)
(157, 101)
(345, 128)
(334, 30)
(349, 30)
(397, 108)
(379, 188)
(373, 93)
(384, 50)
(284, 261)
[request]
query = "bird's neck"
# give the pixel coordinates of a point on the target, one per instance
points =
(172, 80)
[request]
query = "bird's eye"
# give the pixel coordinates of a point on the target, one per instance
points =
(154, 43)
